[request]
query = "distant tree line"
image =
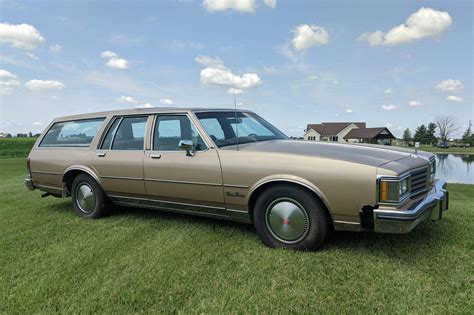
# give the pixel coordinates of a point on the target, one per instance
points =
(21, 135)
(443, 126)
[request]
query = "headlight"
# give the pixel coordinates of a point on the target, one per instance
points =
(393, 190)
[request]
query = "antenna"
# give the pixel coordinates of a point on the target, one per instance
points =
(235, 111)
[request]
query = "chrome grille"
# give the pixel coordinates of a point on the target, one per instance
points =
(419, 181)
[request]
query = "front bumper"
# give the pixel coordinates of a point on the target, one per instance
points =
(29, 183)
(403, 221)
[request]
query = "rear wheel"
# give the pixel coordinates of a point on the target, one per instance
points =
(287, 216)
(88, 199)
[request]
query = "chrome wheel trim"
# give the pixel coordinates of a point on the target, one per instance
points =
(85, 198)
(287, 220)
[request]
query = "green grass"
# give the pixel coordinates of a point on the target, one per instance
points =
(145, 261)
(15, 147)
(432, 149)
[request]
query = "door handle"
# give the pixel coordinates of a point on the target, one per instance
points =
(154, 156)
(101, 154)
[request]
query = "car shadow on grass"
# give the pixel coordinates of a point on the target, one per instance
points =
(422, 243)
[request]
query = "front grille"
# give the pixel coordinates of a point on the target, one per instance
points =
(419, 181)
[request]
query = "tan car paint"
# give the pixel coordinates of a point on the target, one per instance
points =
(221, 182)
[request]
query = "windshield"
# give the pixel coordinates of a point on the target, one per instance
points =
(224, 129)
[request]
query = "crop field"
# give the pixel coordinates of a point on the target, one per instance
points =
(140, 260)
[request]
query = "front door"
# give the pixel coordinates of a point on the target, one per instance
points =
(175, 180)
(119, 159)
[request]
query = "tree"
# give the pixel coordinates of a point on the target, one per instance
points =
(30, 134)
(420, 134)
(468, 137)
(406, 136)
(446, 126)
(430, 134)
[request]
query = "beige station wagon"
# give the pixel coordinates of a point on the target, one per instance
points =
(234, 165)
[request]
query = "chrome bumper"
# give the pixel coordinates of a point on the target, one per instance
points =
(29, 183)
(403, 221)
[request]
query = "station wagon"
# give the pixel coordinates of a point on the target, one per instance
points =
(234, 165)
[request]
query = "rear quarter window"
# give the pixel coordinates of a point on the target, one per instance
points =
(74, 133)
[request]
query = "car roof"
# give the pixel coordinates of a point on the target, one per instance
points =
(144, 111)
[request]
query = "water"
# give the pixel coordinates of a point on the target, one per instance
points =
(455, 168)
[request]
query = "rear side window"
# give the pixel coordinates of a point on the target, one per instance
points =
(130, 133)
(75, 133)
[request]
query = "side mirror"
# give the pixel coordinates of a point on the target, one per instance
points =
(188, 146)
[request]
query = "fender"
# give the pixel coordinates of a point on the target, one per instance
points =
(290, 179)
(84, 169)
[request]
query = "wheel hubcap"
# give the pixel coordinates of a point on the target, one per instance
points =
(287, 220)
(85, 198)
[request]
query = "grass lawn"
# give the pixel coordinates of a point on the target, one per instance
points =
(15, 147)
(432, 149)
(148, 261)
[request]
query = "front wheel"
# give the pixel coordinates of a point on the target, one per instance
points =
(290, 217)
(88, 199)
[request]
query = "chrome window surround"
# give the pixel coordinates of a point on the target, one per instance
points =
(155, 118)
(110, 124)
(399, 178)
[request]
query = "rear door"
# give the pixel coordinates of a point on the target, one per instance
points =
(177, 181)
(119, 159)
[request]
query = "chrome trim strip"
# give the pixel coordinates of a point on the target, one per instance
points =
(347, 226)
(235, 186)
(239, 211)
(168, 202)
(181, 182)
(48, 173)
(122, 177)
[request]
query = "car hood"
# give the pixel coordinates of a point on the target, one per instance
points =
(373, 155)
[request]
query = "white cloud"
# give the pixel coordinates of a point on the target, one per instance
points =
(55, 49)
(349, 111)
(114, 60)
(32, 56)
(389, 125)
(415, 103)
(207, 61)
(390, 107)
(127, 99)
(450, 85)
(166, 101)
(216, 73)
(389, 91)
(23, 36)
(424, 23)
(270, 3)
(313, 77)
(247, 6)
(108, 54)
(307, 36)
(44, 85)
(235, 91)
(146, 105)
(8, 82)
(37, 123)
(453, 98)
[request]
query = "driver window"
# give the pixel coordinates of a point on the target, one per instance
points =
(170, 129)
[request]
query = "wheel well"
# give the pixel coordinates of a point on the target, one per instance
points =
(257, 192)
(68, 178)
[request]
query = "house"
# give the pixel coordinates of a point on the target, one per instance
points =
(348, 132)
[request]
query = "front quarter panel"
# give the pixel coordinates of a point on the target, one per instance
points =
(344, 186)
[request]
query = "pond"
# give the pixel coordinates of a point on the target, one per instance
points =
(455, 168)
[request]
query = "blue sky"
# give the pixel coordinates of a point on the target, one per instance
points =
(389, 63)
